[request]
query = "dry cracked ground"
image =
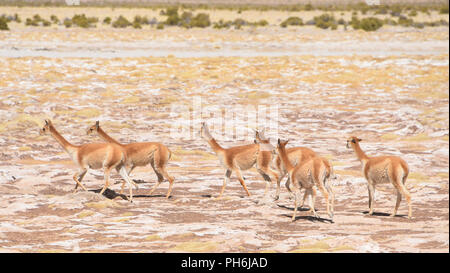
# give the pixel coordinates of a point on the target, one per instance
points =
(396, 100)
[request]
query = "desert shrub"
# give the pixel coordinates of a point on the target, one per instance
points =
(381, 10)
(424, 9)
(396, 11)
(17, 18)
(121, 22)
(239, 22)
(341, 21)
(46, 23)
(355, 22)
(160, 26)
(37, 18)
(67, 23)
(325, 21)
(222, 24)
(441, 22)
(54, 19)
(3, 23)
(443, 10)
(388, 21)
(137, 25)
(418, 25)
(292, 21)
(201, 20)
(107, 20)
(82, 21)
(141, 20)
(31, 22)
(172, 16)
(412, 13)
(371, 24)
(262, 23)
(308, 7)
(405, 21)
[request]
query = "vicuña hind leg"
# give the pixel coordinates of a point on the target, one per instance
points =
(123, 172)
(402, 189)
(277, 193)
(371, 189)
(160, 178)
(225, 180)
(78, 177)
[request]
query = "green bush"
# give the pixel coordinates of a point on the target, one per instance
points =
(341, 21)
(141, 20)
(54, 19)
(201, 20)
(371, 24)
(413, 13)
(262, 23)
(160, 26)
(222, 24)
(444, 10)
(3, 23)
(172, 16)
(82, 21)
(292, 21)
(31, 22)
(68, 23)
(46, 23)
(107, 20)
(17, 18)
(325, 21)
(121, 22)
(405, 22)
(137, 25)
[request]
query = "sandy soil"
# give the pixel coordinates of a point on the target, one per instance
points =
(397, 103)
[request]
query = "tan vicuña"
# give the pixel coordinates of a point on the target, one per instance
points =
(141, 154)
(106, 156)
(383, 169)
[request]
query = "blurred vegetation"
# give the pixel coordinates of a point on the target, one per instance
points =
(3, 23)
(184, 15)
(292, 21)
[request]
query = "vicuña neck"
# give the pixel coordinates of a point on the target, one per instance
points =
(215, 146)
(106, 137)
(360, 153)
(285, 160)
(61, 140)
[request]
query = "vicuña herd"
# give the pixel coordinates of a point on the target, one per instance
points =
(304, 168)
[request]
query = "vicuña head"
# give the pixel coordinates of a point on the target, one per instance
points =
(94, 128)
(353, 141)
(281, 144)
(46, 129)
(204, 132)
(264, 143)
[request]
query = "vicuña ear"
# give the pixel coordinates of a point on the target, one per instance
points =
(359, 139)
(279, 141)
(97, 124)
(46, 122)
